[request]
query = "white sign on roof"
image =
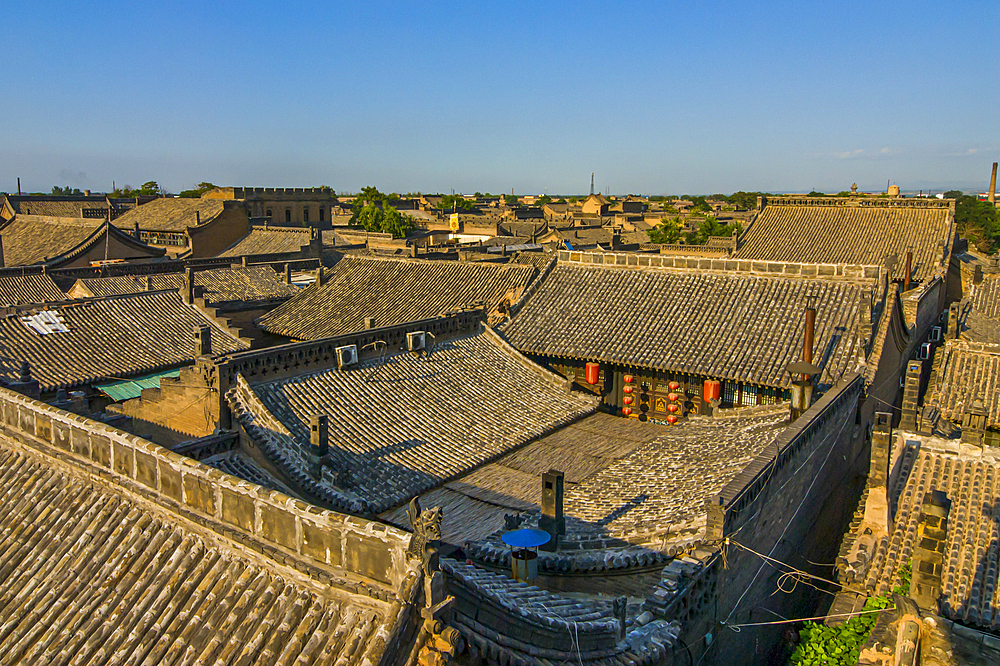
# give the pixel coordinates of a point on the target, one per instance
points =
(45, 322)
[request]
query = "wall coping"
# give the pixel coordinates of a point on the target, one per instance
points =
(239, 510)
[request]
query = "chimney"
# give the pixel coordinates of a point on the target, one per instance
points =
(369, 322)
(991, 196)
(909, 270)
(1, 252)
(911, 395)
(189, 285)
(954, 325)
(928, 550)
(197, 218)
(320, 277)
(319, 446)
(974, 424)
(807, 343)
(552, 519)
(243, 261)
(202, 340)
(24, 383)
(288, 273)
(137, 237)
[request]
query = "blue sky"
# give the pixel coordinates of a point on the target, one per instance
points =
(656, 98)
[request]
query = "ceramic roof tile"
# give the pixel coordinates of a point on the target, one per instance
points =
(28, 239)
(219, 285)
(173, 214)
(411, 423)
(393, 291)
(92, 576)
(851, 231)
(24, 289)
(986, 297)
(971, 566)
(114, 337)
(968, 371)
(270, 240)
(740, 327)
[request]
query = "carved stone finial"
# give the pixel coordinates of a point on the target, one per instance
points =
(25, 374)
(854, 189)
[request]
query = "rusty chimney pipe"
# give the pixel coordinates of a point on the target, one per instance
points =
(991, 196)
(807, 345)
(909, 270)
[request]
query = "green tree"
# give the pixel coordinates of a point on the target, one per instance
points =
(201, 189)
(977, 221)
(667, 231)
(66, 191)
(455, 202)
(510, 199)
(372, 212)
(744, 200)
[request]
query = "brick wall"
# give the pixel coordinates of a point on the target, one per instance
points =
(792, 504)
(324, 544)
(215, 235)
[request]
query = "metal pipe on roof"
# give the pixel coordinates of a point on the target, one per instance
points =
(807, 344)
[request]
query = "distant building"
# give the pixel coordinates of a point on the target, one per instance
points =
(288, 206)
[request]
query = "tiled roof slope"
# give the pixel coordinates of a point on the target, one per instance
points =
(28, 239)
(850, 234)
(393, 291)
(24, 289)
(33, 239)
(221, 285)
(971, 566)
(94, 576)
(968, 372)
(56, 207)
(115, 337)
(986, 297)
(175, 214)
(407, 425)
(269, 240)
(740, 327)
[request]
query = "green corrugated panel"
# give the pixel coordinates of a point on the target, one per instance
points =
(125, 389)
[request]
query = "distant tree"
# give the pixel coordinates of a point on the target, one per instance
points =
(744, 200)
(66, 191)
(815, 193)
(372, 212)
(455, 202)
(149, 188)
(543, 200)
(573, 200)
(510, 199)
(201, 189)
(708, 227)
(667, 231)
(561, 200)
(978, 221)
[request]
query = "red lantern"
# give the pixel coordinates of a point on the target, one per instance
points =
(627, 400)
(673, 396)
(626, 411)
(629, 379)
(593, 372)
(672, 408)
(674, 386)
(627, 389)
(671, 419)
(713, 389)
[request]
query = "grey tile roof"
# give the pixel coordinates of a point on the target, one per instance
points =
(33, 239)
(986, 296)
(967, 372)
(23, 289)
(29, 239)
(835, 231)
(651, 489)
(409, 424)
(219, 285)
(174, 214)
(270, 240)
(971, 566)
(393, 291)
(739, 327)
(97, 576)
(56, 206)
(114, 337)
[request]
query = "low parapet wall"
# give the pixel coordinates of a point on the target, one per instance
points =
(331, 547)
(785, 268)
(822, 425)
